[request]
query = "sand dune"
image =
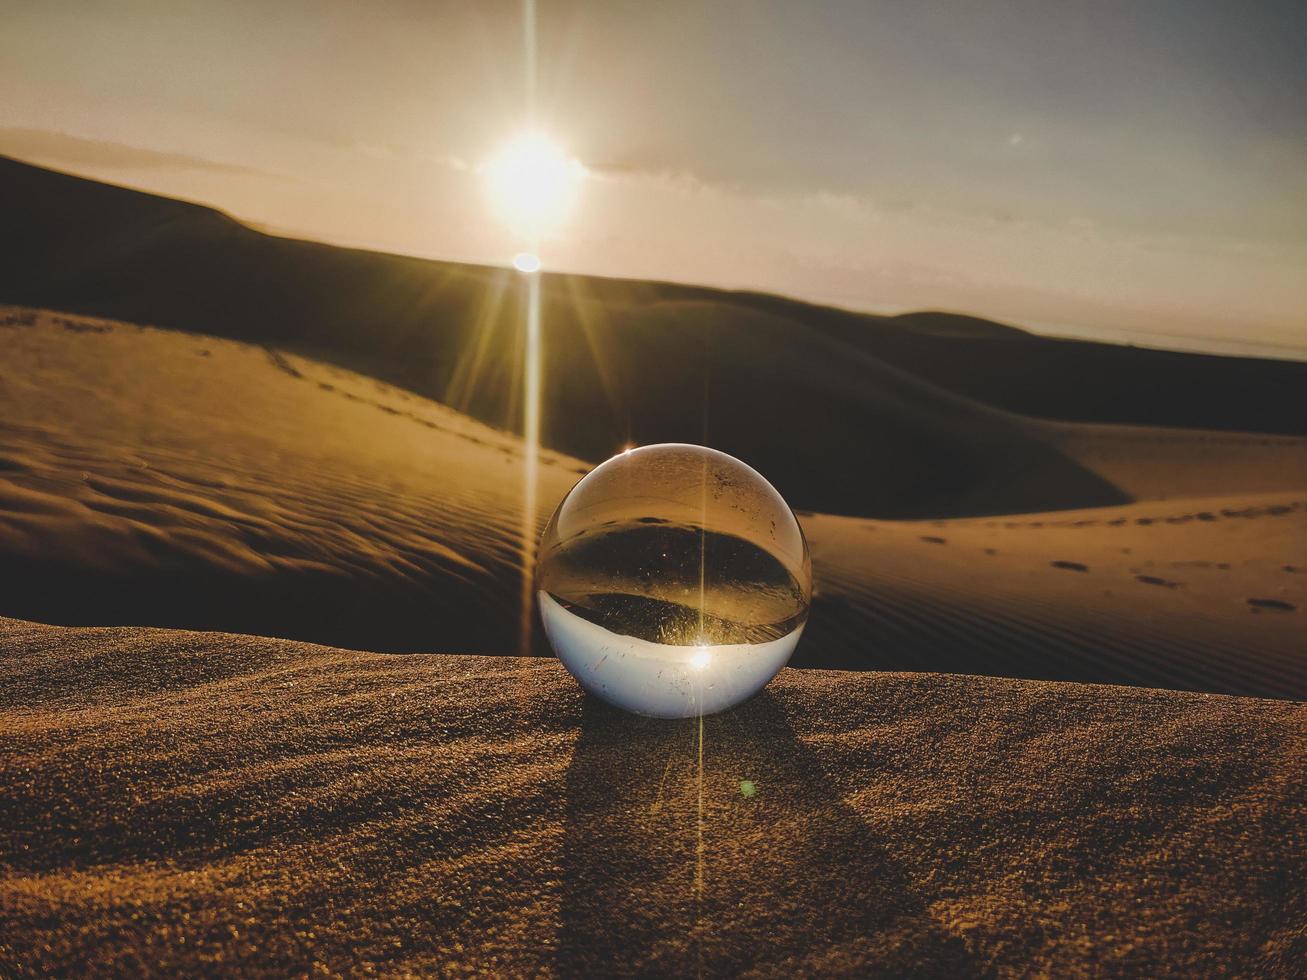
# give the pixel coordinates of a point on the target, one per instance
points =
(155, 477)
(1202, 594)
(915, 413)
(177, 803)
(149, 476)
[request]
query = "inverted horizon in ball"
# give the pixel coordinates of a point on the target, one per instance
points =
(674, 581)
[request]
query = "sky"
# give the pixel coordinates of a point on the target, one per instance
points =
(1134, 170)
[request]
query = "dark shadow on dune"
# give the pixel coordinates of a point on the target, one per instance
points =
(916, 634)
(788, 878)
(395, 614)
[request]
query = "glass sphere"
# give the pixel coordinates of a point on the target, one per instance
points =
(673, 581)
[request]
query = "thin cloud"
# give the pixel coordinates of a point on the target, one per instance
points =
(406, 154)
(45, 145)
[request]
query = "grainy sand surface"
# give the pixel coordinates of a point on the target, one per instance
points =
(182, 803)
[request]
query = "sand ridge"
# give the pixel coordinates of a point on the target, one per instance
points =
(202, 480)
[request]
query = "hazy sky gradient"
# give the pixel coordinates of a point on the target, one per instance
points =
(1136, 166)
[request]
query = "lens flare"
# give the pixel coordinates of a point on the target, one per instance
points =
(527, 262)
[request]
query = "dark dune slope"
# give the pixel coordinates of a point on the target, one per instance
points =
(754, 375)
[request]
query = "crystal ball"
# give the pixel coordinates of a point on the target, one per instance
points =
(673, 581)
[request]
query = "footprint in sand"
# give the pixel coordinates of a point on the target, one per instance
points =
(1070, 566)
(1276, 605)
(81, 326)
(1154, 580)
(930, 539)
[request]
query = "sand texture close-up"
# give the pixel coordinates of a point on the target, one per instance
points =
(182, 802)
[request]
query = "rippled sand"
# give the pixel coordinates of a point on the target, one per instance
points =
(180, 802)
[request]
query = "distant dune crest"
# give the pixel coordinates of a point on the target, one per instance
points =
(918, 415)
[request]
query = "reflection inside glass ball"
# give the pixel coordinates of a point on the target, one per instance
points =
(673, 581)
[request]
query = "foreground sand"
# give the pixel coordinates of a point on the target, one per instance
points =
(181, 802)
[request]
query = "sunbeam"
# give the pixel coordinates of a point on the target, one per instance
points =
(591, 316)
(531, 473)
(461, 389)
(532, 184)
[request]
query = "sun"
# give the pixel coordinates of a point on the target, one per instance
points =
(533, 184)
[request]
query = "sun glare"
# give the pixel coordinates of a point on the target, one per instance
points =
(533, 184)
(527, 262)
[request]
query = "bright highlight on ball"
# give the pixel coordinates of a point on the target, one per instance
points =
(673, 581)
(533, 184)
